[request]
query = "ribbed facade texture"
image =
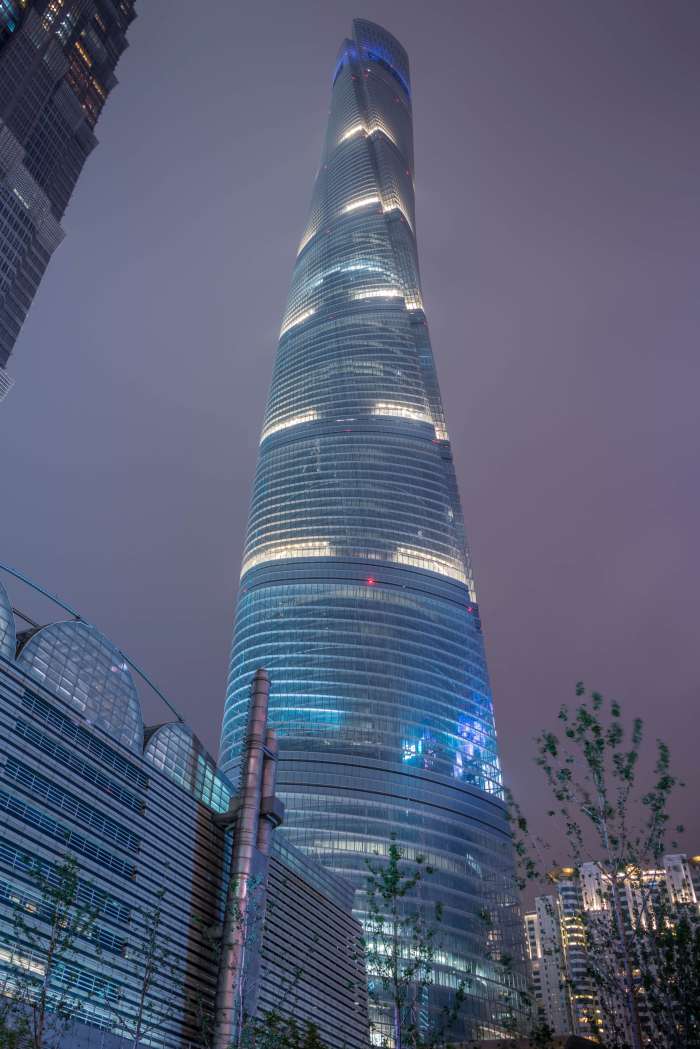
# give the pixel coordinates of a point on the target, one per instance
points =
(311, 964)
(356, 588)
(57, 62)
(138, 809)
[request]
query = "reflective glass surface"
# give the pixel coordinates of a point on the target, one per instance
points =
(356, 587)
(7, 626)
(82, 666)
(175, 750)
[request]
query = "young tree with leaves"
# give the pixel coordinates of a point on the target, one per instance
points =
(400, 947)
(14, 1025)
(516, 1006)
(272, 1030)
(246, 913)
(641, 948)
(49, 921)
(150, 961)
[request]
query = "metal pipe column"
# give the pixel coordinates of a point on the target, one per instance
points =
(230, 991)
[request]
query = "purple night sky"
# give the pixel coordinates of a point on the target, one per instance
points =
(558, 185)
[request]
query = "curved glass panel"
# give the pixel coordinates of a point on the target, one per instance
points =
(176, 751)
(356, 587)
(77, 663)
(7, 626)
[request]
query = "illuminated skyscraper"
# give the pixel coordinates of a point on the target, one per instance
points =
(356, 587)
(57, 61)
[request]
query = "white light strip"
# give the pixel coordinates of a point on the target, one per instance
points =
(352, 132)
(299, 319)
(380, 129)
(378, 293)
(401, 411)
(362, 203)
(405, 555)
(375, 129)
(305, 417)
(282, 551)
(306, 238)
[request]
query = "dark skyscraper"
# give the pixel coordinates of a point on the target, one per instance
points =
(57, 61)
(356, 587)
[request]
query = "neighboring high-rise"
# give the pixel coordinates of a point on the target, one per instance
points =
(543, 939)
(57, 61)
(558, 937)
(356, 588)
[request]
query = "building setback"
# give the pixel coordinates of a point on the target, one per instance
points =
(57, 62)
(144, 812)
(356, 588)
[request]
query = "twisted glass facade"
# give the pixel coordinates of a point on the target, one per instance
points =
(356, 589)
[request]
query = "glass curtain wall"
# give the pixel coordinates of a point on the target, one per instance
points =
(356, 587)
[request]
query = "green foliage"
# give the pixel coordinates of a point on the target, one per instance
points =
(154, 975)
(516, 1007)
(246, 913)
(400, 946)
(14, 1025)
(48, 921)
(670, 976)
(641, 946)
(276, 1032)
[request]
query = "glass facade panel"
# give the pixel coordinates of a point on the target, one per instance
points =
(80, 665)
(176, 751)
(7, 626)
(356, 587)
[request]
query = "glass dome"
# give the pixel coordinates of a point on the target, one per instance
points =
(175, 750)
(76, 662)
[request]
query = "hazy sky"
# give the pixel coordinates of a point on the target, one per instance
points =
(558, 182)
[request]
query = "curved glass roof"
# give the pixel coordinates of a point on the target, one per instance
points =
(7, 626)
(175, 750)
(79, 664)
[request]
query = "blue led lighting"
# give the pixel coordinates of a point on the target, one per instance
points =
(386, 63)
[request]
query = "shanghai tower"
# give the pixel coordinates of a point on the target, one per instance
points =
(356, 587)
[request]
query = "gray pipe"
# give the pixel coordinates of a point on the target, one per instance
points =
(230, 995)
(267, 821)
